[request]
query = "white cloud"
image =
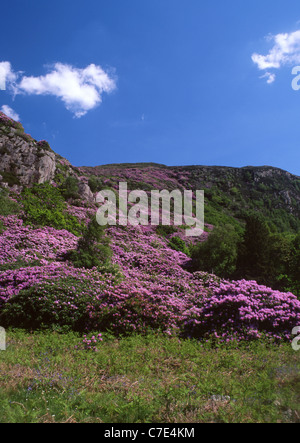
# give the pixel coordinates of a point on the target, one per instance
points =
(285, 51)
(10, 112)
(270, 77)
(80, 89)
(7, 76)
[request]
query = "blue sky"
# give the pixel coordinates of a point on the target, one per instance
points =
(167, 81)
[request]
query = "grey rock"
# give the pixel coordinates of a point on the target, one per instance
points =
(46, 167)
(28, 161)
(220, 398)
(25, 160)
(85, 192)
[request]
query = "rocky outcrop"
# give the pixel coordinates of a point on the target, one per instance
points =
(46, 167)
(85, 192)
(25, 160)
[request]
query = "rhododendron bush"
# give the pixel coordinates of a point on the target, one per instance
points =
(153, 289)
(243, 310)
(24, 242)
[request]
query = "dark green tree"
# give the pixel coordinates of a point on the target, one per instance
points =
(95, 184)
(295, 265)
(69, 189)
(279, 261)
(93, 248)
(179, 245)
(218, 255)
(254, 258)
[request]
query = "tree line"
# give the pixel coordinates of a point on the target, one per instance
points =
(258, 254)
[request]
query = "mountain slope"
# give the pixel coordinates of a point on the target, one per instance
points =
(230, 193)
(146, 284)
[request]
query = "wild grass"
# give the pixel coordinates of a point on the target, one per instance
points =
(49, 378)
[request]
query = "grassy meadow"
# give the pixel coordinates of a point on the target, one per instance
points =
(48, 377)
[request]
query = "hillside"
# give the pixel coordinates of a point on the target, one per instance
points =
(60, 270)
(230, 192)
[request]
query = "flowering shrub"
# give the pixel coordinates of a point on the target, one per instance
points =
(240, 310)
(43, 144)
(7, 121)
(88, 303)
(92, 343)
(155, 291)
(20, 243)
(50, 304)
(243, 310)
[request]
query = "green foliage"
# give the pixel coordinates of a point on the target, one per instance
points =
(61, 173)
(10, 178)
(178, 244)
(234, 191)
(52, 304)
(43, 378)
(218, 216)
(69, 188)
(93, 248)
(45, 206)
(270, 259)
(164, 231)
(18, 264)
(7, 206)
(255, 251)
(231, 193)
(43, 144)
(295, 265)
(36, 308)
(26, 137)
(95, 184)
(218, 255)
(280, 259)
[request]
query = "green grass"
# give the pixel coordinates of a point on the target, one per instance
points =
(7, 206)
(151, 379)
